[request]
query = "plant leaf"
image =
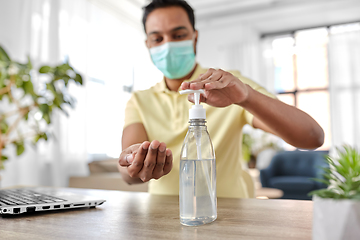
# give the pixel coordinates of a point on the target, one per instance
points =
(66, 79)
(324, 193)
(78, 79)
(44, 108)
(356, 196)
(4, 126)
(20, 148)
(28, 87)
(26, 116)
(37, 138)
(4, 56)
(45, 69)
(51, 87)
(327, 183)
(45, 136)
(46, 117)
(29, 64)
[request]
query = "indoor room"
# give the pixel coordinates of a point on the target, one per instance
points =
(254, 103)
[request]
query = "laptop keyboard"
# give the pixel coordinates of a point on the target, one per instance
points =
(25, 196)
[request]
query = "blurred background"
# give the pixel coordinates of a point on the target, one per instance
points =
(307, 52)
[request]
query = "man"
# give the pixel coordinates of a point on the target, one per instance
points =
(156, 120)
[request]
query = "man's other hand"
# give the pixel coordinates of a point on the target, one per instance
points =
(147, 160)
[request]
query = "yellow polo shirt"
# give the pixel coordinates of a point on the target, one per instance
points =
(165, 116)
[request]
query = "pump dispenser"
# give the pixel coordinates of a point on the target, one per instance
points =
(197, 111)
(197, 169)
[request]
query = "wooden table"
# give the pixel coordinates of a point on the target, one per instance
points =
(134, 215)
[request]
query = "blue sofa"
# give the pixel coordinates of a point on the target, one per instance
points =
(291, 171)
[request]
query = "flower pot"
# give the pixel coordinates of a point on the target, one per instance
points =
(336, 219)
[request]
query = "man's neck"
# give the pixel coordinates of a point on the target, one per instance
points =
(174, 84)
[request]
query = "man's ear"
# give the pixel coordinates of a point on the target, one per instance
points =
(195, 40)
(147, 43)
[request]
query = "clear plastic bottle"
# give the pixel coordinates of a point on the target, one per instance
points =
(197, 194)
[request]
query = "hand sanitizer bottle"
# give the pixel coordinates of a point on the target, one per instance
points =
(197, 170)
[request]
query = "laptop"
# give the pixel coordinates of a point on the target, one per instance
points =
(29, 200)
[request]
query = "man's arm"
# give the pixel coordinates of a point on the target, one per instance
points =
(141, 160)
(132, 134)
(291, 124)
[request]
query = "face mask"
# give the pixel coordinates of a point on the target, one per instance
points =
(174, 59)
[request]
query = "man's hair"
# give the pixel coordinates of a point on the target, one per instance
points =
(155, 4)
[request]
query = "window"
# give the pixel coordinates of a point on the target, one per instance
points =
(114, 61)
(301, 74)
(300, 62)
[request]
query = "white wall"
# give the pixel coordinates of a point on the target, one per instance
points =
(231, 47)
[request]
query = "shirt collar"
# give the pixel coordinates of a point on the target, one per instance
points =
(161, 86)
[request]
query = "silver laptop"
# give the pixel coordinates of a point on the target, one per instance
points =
(29, 200)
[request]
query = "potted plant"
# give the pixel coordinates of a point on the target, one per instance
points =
(26, 110)
(336, 212)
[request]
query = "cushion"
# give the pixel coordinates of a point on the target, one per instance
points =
(292, 183)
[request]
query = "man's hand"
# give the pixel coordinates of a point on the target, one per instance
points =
(221, 88)
(147, 160)
(291, 124)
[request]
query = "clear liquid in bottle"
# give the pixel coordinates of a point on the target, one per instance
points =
(197, 192)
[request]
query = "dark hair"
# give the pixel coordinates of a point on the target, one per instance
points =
(155, 4)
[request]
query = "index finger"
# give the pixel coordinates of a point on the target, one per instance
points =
(204, 76)
(209, 72)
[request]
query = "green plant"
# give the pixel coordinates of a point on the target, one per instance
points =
(343, 176)
(246, 146)
(253, 144)
(30, 108)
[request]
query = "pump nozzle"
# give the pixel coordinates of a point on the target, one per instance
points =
(197, 111)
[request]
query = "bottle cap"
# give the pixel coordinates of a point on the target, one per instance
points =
(197, 111)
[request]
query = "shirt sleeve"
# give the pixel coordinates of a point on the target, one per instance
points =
(132, 112)
(248, 116)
